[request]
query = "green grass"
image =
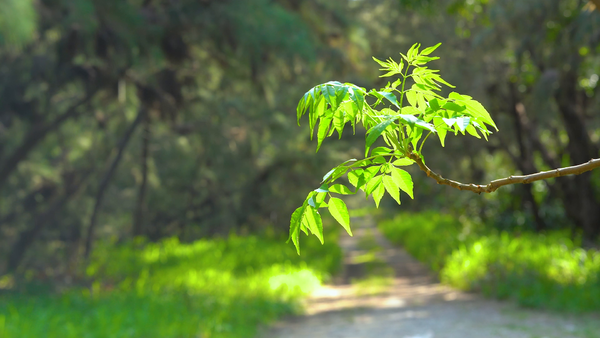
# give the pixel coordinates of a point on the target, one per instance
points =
(209, 288)
(549, 271)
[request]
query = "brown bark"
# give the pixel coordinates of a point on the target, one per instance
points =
(494, 185)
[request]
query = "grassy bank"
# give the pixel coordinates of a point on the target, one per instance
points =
(550, 271)
(209, 288)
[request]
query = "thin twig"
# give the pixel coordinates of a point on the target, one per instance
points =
(494, 185)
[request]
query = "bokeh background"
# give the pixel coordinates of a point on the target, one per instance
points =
(150, 156)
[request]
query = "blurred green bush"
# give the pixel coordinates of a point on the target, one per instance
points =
(208, 288)
(537, 270)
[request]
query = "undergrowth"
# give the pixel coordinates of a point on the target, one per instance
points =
(208, 288)
(537, 270)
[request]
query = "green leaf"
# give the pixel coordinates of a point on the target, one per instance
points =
(320, 199)
(356, 178)
(339, 122)
(391, 97)
(414, 49)
(306, 103)
(434, 104)
(317, 110)
(324, 125)
(295, 224)
(453, 106)
(339, 211)
(391, 188)
(357, 97)
(403, 162)
(381, 151)
(338, 171)
(378, 193)
(381, 63)
(322, 188)
(429, 50)
(360, 177)
(472, 131)
(410, 110)
(379, 159)
(403, 181)
(441, 128)
(329, 95)
(340, 93)
(372, 184)
(421, 60)
(411, 96)
(474, 108)
(312, 221)
(340, 189)
(416, 136)
(416, 122)
(375, 132)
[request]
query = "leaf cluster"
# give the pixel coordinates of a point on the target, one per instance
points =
(403, 115)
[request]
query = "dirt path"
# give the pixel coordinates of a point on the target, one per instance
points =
(384, 292)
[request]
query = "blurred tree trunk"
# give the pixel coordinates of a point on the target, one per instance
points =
(140, 208)
(106, 180)
(524, 161)
(581, 203)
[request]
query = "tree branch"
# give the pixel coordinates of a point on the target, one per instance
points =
(37, 134)
(494, 185)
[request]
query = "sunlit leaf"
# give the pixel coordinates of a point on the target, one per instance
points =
(324, 125)
(415, 121)
(378, 193)
(381, 151)
(391, 188)
(340, 189)
(312, 221)
(472, 131)
(375, 132)
(430, 50)
(453, 106)
(403, 162)
(339, 121)
(390, 97)
(440, 126)
(317, 110)
(403, 181)
(295, 223)
(339, 211)
(372, 184)
(411, 96)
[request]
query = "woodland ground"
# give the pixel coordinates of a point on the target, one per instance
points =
(384, 292)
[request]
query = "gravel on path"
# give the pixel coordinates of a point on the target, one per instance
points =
(414, 305)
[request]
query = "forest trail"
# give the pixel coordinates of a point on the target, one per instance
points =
(384, 292)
